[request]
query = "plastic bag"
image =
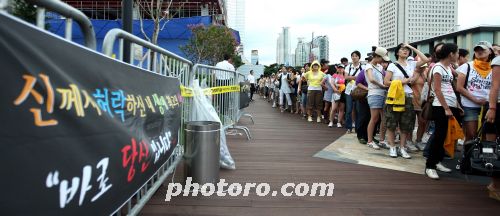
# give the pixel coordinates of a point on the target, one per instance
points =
(350, 87)
(203, 110)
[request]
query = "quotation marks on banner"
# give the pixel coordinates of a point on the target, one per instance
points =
(68, 190)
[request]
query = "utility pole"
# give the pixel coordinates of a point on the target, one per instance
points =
(127, 7)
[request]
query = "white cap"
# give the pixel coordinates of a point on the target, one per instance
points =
(484, 45)
(383, 53)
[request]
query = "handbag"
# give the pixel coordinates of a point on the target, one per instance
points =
(427, 104)
(481, 157)
(359, 93)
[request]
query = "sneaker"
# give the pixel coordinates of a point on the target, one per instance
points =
(411, 146)
(310, 119)
(420, 146)
(318, 120)
(349, 131)
(384, 144)
(431, 173)
(404, 154)
(339, 125)
(330, 125)
(392, 152)
(442, 168)
(362, 141)
(274, 105)
(373, 145)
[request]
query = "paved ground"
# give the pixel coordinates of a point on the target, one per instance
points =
(282, 151)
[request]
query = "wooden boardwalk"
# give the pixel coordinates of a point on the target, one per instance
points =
(282, 151)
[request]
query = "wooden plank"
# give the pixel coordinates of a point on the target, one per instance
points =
(282, 151)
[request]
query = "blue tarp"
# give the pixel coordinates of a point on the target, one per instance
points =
(175, 34)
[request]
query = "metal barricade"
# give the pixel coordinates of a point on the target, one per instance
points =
(164, 63)
(224, 84)
(225, 87)
(70, 13)
(242, 112)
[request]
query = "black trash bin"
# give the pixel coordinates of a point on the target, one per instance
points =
(202, 151)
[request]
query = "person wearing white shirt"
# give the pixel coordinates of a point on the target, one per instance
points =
(226, 64)
(473, 84)
(223, 78)
(444, 106)
(352, 71)
(251, 80)
(402, 70)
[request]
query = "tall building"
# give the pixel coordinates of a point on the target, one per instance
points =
(236, 17)
(320, 48)
(255, 57)
(283, 47)
(413, 20)
(302, 52)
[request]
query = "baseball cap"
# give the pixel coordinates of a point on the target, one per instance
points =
(483, 45)
(383, 53)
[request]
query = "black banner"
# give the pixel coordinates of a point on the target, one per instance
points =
(80, 133)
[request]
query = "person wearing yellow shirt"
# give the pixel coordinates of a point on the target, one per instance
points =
(314, 77)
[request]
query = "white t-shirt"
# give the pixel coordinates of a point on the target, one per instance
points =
(478, 86)
(496, 62)
(223, 75)
(396, 72)
(446, 85)
(377, 75)
(351, 70)
(251, 79)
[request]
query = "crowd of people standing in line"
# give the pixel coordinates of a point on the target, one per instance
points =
(387, 97)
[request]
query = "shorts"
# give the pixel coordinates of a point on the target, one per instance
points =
(315, 99)
(471, 113)
(405, 120)
(336, 98)
(376, 101)
(494, 128)
(303, 99)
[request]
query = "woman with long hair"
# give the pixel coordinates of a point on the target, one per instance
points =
(337, 81)
(444, 106)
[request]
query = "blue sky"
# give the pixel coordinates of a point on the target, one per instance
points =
(349, 24)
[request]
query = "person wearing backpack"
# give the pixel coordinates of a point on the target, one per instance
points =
(474, 83)
(402, 70)
(352, 72)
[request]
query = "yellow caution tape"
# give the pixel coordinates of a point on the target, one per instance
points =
(188, 92)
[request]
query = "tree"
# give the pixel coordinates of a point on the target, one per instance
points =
(24, 10)
(237, 62)
(273, 68)
(209, 44)
(157, 11)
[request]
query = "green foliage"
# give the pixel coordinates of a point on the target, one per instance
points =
(24, 10)
(237, 62)
(273, 68)
(209, 44)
